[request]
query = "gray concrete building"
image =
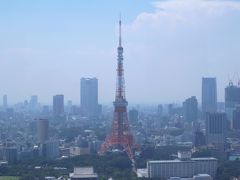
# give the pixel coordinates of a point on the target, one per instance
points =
(209, 95)
(232, 100)
(89, 96)
(216, 128)
(58, 105)
(182, 168)
(190, 109)
(42, 130)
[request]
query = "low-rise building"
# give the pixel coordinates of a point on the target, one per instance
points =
(202, 177)
(83, 173)
(76, 151)
(196, 177)
(142, 173)
(184, 168)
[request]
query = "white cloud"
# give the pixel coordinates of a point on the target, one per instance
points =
(172, 12)
(178, 43)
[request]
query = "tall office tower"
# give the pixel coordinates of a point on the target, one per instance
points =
(120, 136)
(58, 105)
(10, 112)
(5, 103)
(209, 95)
(45, 110)
(236, 118)
(33, 103)
(69, 107)
(190, 109)
(170, 109)
(89, 96)
(232, 99)
(221, 107)
(199, 139)
(133, 116)
(11, 154)
(50, 149)
(42, 130)
(216, 128)
(160, 110)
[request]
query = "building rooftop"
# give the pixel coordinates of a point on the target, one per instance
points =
(142, 173)
(203, 175)
(167, 161)
(205, 159)
(195, 176)
(178, 178)
(178, 160)
(83, 172)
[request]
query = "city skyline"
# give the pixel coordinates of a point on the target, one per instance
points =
(49, 47)
(120, 89)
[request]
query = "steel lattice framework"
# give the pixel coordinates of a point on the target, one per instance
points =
(120, 136)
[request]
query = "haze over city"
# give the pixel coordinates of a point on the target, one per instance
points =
(47, 46)
(119, 90)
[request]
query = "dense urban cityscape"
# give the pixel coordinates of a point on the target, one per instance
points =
(198, 139)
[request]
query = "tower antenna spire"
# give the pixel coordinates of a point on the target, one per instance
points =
(120, 30)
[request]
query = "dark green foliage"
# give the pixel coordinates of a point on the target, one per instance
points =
(117, 166)
(70, 133)
(202, 153)
(160, 153)
(228, 169)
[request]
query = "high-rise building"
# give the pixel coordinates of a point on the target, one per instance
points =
(45, 110)
(160, 110)
(190, 109)
(232, 99)
(216, 128)
(133, 116)
(11, 154)
(10, 113)
(50, 149)
(33, 103)
(69, 107)
(58, 105)
(236, 118)
(199, 139)
(170, 109)
(42, 130)
(34, 99)
(89, 96)
(5, 103)
(209, 95)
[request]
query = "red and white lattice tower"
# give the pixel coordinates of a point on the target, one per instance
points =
(120, 136)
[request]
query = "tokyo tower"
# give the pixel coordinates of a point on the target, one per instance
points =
(120, 136)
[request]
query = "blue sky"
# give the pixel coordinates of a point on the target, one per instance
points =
(47, 46)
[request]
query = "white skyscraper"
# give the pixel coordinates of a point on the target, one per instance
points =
(89, 96)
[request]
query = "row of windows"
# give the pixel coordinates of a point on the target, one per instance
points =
(182, 169)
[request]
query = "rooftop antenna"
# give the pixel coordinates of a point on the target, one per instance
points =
(230, 82)
(238, 79)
